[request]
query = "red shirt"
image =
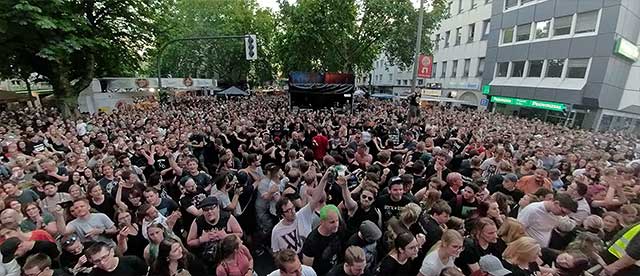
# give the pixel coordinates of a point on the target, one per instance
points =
(321, 144)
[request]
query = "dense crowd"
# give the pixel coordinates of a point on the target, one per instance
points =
(206, 186)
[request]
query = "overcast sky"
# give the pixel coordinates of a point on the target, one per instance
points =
(273, 4)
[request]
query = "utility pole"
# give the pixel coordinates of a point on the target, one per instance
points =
(417, 54)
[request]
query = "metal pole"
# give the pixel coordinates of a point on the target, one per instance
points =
(417, 54)
(164, 47)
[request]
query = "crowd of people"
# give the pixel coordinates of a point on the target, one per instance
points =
(205, 186)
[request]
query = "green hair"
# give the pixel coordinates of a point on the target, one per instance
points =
(324, 211)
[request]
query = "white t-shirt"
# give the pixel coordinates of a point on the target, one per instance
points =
(306, 271)
(538, 222)
(292, 236)
(432, 265)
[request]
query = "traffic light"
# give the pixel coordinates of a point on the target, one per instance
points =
(250, 47)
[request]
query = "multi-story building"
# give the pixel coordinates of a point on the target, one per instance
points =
(459, 48)
(566, 61)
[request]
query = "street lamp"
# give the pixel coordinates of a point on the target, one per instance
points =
(417, 50)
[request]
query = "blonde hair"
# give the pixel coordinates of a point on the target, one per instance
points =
(511, 230)
(354, 254)
(448, 237)
(521, 251)
(410, 214)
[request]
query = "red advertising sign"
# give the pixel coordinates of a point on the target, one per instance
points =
(425, 64)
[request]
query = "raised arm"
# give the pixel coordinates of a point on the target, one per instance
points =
(318, 193)
(348, 201)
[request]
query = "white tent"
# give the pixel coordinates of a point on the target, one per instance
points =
(233, 91)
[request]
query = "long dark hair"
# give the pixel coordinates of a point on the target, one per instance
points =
(160, 266)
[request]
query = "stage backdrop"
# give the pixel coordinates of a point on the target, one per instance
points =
(317, 90)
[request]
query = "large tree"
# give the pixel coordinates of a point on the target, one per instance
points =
(222, 59)
(69, 42)
(347, 35)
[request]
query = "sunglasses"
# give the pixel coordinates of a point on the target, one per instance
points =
(366, 197)
(69, 241)
(207, 209)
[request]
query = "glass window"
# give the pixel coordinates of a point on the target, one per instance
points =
(554, 68)
(472, 33)
(562, 25)
(577, 68)
(503, 69)
(586, 22)
(434, 69)
(542, 29)
(420, 82)
(454, 69)
(447, 37)
(436, 44)
(467, 65)
(486, 27)
(444, 70)
(460, 9)
(524, 31)
(390, 77)
(458, 35)
(398, 82)
(474, 4)
(507, 35)
(508, 4)
(480, 67)
(526, 1)
(517, 70)
(535, 68)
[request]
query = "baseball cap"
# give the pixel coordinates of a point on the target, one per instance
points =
(370, 231)
(565, 201)
(492, 265)
(208, 202)
(8, 249)
(511, 177)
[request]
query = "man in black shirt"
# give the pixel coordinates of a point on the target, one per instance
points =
(481, 243)
(508, 187)
(107, 264)
(323, 245)
(20, 250)
(434, 222)
(72, 258)
(354, 263)
(391, 204)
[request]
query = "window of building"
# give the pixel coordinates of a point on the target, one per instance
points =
(433, 70)
(486, 27)
(405, 82)
(586, 22)
(517, 70)
(458, 35)
(507, 35)
(562, 25)
(447, 37)
(449, 8)
(436, 44)
(390, 77)
(523, 32)
(380, 78)
(398, 81)
(454, 69)
(535, 68)
(526, 1)
(577, 68)
(376, 78)
(460, 8)
(474, 4)
(467, 66)
(508, 4)
(487, 1)
(503, 69)
(444, 70)
(542, 29)
(420, 82)
(480, 67)
(554, 68)
(472, 33)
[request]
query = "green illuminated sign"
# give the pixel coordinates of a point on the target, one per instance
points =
(486, 89)
(627, 49)
(529, 103)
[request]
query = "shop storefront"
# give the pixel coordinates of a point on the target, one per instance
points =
(552, 112)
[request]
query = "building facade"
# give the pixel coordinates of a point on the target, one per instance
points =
(566, 61)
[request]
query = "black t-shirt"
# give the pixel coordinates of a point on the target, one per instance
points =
(462, 208)
(448, 194)
(431, 229)
(390, 208)
(353, 222)
(161, 162)
(46, 247)
(324, 250)
(517, 271)
(127, 266)
(515, 194)
(389, 266)
(167, 206)
(472, 253)
(188, 200)
(106, 207)
(68, 260)
(201, 179)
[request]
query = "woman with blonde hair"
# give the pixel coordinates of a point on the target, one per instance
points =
(510, 231)
(520, 257)
(442, 254)
(406, 223)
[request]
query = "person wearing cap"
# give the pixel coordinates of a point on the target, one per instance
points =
(323, 246)
(208, 229)
(14, 248)
(40, 265)
(367, 238)
(492, 266)
(508, 187)
(72, 257)
(540, 218)
(390, 204)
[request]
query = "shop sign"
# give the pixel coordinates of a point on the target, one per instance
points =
(553, 106)
(627, 49)
(486, 89)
